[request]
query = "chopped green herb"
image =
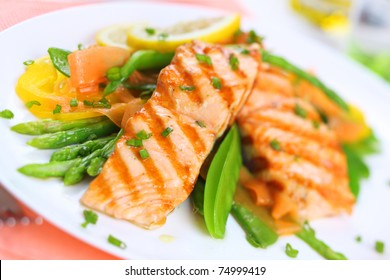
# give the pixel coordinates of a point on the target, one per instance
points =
(316, 124)
(234, 62)
(201, 124)
(32, 103)
(6, 114)
(216, 82)
(116, 242)
(163, 36)
(143, 135)
(102, 103)
(380, 247)
(80, 46)
(275, 144)
(290, 251)
(358, 239)
(245, 51)
(144, 154)
(187, 88)
(388, 183)
(28, 62)
(299, 111)
(204, 59)
(150, 31)
(254, 38)
(73, 102)
(134, 142)
(90, 218)
(88, 103)
(57, 109)
(167, 131)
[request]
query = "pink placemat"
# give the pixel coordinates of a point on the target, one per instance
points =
(42, 240)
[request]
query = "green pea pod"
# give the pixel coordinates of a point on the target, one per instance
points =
(221, 182)
(289, 67)
(59, 57)
(140, 60)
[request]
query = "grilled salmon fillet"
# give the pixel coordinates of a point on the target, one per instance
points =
(144, 184)
(290, 151)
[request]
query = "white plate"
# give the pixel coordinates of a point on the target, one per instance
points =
(59, 204)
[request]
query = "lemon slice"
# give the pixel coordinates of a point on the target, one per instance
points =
(113, 35)
(212, 30)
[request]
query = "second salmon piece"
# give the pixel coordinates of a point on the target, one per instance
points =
(156, 163)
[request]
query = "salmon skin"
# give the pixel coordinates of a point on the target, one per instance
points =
(197, 97)
(290, 150)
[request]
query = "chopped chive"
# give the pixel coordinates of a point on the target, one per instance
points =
(167, 131)
(187, 88)
(6, 114)
(134, 142)
(254, 38)
(204, 59)
(245, 51)
(88, 103)
(116, 242)
(90, 218)
(150, 31)
(143, 154)
(32, 103)
(201, 124)
(358, 239)
(73, 102)
(299, 111)
(28, 62)
(143, 135)
(80, 46)
(163, 36)
(216, 82)
(290, 251)
(234, 62)
(380, 247)
(275, 144)
(102, 103)
(316, 124)
(57, 109)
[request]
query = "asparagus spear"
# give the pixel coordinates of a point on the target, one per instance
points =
(258, 233)
(46, 170)
(80, 150)
(284, 64)
(307, 234)
(51, 126)
(77, 171)
(61, 139)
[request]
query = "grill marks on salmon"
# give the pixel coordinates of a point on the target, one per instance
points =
(307, 168)
(145, 191)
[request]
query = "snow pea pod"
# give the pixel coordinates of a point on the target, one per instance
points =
(140, 60)
(221, 182)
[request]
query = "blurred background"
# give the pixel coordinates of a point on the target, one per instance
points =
(358, 28)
